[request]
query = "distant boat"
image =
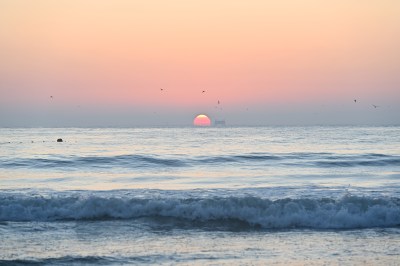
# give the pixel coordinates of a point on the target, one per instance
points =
(219, 123)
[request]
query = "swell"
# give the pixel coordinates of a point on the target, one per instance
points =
(321, 160)
(323, 213)
(94, 161)
(66, 260)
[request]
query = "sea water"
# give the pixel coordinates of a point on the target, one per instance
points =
(200, 196)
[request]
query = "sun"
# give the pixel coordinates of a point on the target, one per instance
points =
(202, 121)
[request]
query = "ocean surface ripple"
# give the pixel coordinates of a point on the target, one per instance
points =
(323, 160)
(200, 196)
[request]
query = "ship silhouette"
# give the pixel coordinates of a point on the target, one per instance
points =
(219, 123)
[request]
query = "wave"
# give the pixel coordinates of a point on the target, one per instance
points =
(91, 260)
(324, 160)
(359, 160)
(94, 161)
(68, 260)
(324, 213)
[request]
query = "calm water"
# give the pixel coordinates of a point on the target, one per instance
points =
(206, 196)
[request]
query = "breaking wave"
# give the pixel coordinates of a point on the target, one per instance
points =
(325, 213)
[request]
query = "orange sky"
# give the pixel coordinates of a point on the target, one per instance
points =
(244, 53)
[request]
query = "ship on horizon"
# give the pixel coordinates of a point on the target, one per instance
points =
(219, 123)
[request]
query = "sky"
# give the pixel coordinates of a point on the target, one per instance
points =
(161, 63)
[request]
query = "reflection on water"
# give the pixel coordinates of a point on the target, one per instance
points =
(200, 196)
(187, 158)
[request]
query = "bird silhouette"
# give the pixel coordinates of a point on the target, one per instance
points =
(355, 100)
(203, 91)
(375, 106)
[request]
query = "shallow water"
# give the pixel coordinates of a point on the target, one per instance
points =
(251, 195)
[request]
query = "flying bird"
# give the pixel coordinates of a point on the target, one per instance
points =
(355, 100)
(375, 106)
(203, 91)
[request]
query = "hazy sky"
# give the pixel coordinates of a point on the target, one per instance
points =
(267, 62)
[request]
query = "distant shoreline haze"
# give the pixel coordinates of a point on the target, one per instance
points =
(273, 116)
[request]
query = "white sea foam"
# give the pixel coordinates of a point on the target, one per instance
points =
(345, 212)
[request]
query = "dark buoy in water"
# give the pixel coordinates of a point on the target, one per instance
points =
(59, 140)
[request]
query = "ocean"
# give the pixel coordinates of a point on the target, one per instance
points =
(200, 196)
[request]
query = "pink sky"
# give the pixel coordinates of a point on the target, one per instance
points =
(116, 55)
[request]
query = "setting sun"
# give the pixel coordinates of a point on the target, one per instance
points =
(202, 120)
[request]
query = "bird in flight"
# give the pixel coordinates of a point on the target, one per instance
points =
(161, 89)
(203, 91)
(355, 100)
(375, 106)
